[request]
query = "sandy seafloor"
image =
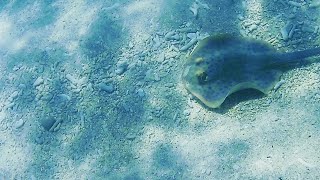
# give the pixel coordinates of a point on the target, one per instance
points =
(92, 90)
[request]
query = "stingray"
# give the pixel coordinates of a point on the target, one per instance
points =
(223, 64)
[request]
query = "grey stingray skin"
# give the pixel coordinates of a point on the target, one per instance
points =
(223, 64)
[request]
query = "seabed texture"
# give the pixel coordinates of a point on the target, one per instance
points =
(92, 90)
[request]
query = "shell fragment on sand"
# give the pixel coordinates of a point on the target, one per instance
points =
(315, 4)
(196, 6)
(287, 31)
(189, 44)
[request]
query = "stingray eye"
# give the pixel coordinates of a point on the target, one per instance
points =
(199, 60)
(202, 77)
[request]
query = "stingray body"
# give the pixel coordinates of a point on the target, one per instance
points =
(223, 64)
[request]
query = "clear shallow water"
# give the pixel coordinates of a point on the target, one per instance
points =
(92, 90)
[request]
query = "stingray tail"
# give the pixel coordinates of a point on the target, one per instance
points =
(297, 56)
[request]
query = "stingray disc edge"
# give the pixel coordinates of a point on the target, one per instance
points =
(217, 103)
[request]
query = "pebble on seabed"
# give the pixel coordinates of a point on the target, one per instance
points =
(106, 87)
(48, 123)
(19, 123)
(121, 68)
(141, 93)
(38, 81)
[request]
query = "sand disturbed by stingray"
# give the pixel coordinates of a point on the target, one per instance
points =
(223, 64)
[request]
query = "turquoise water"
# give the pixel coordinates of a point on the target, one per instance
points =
(93, 90)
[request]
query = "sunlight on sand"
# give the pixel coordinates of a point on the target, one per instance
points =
(73, 23)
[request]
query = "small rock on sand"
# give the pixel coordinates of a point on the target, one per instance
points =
(141, 93)
(106, 87)
(121, 68)
(38, 81)
(48, 123)
(18, 124)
